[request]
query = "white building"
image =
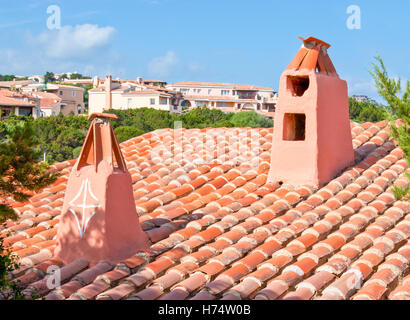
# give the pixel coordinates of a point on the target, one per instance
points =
(116, 94)
(227, 97)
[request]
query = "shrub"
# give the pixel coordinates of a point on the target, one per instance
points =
(126, 133)
(251, 119)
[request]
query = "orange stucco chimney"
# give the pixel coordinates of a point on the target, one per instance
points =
(99, 220)
(108, 94)
(312, 141)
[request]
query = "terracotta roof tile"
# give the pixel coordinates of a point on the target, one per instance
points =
(218, 231)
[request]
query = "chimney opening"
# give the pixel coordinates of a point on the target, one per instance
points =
(298, 85)
(294, 126)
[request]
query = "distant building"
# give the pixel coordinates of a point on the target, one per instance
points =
(77, 81)
(15, 84)
(50, 103)
(18, 104)
(363, 98)
(37, 78)
(157, 83)
(227, 97)
(124, 94)
(121, 94)
(72, 97)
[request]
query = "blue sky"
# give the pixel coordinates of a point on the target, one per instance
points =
(247, 42)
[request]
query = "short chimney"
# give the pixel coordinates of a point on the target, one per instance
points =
(312, 140)
(99, 219)
(95, 82)
(108, 94)
(139, 80)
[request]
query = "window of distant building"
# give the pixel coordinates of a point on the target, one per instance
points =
(152, 101)
(5, 112)
(23, 111)
(200, 103)
(61, 93)
(129, 101)
(221, 104)
(164, 101)
(209, 91)
(74, 93)
(224, 92)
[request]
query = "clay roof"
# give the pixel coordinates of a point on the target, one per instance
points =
(47, 99)
(58, 86)
(219, 231)
(147, 91)
(219, 84)
(9, 84)
(121, 88)
(219, 98)
(8, 98)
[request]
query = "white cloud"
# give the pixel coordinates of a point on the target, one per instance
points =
(163, 66)
(194, 67)
(362, 86)
(17, 23)
(75, 42)
(37, 57)
(12, 61)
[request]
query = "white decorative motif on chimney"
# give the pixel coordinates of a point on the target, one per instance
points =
(84, 221)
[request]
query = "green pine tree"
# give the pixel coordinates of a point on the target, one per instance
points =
(399, 107)
(20, 171)
(8, 262)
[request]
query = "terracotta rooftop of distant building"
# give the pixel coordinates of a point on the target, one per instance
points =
(47, 99)
(8, 98)
(50, 86)
(219, 84)
(219, 231)
(147, 90)
(219, 98)
(143, 81)
(9, 84)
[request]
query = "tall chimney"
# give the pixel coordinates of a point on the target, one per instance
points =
(99, 219)
(108, 95)
(312, 140)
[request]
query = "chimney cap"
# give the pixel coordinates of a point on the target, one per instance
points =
(102, 115)
(316, 41)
